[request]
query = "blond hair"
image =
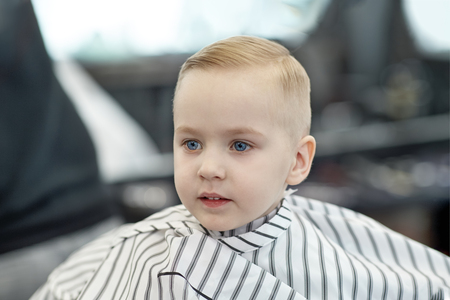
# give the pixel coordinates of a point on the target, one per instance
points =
(245, 51)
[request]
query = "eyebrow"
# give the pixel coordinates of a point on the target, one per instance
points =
(231, 131)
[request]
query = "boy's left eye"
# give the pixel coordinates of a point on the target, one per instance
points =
(192, 145)
(240, 146)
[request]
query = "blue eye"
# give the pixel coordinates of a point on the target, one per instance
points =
(193, 145)
(240, 146)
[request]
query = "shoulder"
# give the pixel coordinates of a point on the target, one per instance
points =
(71, 277)
(318, 210)
(353, 231)
(174, 217)
(303, 203)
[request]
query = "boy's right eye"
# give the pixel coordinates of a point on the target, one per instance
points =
(192, 145)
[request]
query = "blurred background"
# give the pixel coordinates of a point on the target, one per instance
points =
(380, 94)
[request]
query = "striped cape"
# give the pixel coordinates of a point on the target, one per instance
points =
(305, 249)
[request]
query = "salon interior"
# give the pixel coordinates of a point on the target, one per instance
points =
(379, 74)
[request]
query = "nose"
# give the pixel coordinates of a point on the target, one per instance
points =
(211, 166)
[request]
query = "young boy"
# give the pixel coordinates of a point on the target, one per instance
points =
(241, 119)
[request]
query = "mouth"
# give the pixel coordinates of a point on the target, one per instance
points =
(213, 200)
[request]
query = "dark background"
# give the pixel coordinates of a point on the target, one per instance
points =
(380, 117)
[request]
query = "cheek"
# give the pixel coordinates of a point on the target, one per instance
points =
(272, 164)
(181, 160)
(183, 186)
(182, 176)
(274, 171)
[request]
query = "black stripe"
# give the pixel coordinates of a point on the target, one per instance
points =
(160, 287)
(84, 257)
(257, 288)
(187, 226)
(289, 270)
(206, 231)
(369, 285)
(82, 261)
(198, 252)
(394, 253)
(339, 272)
(76, 276)
(321, 258)
(430, 262)
(102, 290)
(310, 206)
(385, 283)
(325, 208)
(149, 285)
(249, 226)
(413, 259)
(241, 281)
(438, 296)
(275, 289)
(286, 218)
(265, 235)
(178, 274)
(285, 208)
(355, 282)
(247, 242)
(131, 254)
(169, 213)
(362, 218)
(293, 201)
(231, 247)
(137, 260)
(336, 233)
(305, 257)
(336, 256)
(323, 270)
(276, 225)
(292, 295)
(255, 257)
(210, 267)
(185, 290)
(225, 275)
(272, 269)
(179, 253)
(176, 261)
(181, 208)
(355, 278)
(355, 239)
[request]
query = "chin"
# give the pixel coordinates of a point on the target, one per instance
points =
(218, 227)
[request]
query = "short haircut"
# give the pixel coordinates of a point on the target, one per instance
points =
(246, 51)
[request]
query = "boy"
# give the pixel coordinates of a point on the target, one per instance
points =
(241, 119)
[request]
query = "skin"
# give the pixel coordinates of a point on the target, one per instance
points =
(227, 146)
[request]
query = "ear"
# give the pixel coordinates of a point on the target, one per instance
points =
(304, 154)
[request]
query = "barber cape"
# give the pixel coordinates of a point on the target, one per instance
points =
(304, 249)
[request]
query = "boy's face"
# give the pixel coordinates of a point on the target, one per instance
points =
(231, 159)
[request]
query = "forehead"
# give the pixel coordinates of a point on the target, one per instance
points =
(225, 97)
(228, 85)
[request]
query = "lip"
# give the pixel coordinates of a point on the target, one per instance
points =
(213, 200)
